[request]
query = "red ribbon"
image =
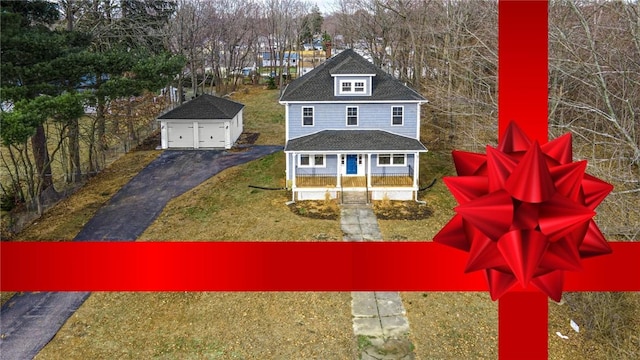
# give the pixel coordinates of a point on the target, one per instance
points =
(273, 266)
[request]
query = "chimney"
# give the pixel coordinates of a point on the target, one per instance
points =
(327, 46)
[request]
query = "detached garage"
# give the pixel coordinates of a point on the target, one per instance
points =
(204, 122)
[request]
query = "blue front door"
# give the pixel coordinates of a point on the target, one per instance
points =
(352, 164)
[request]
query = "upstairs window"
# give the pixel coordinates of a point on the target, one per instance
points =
(397, 115)
(307, 116)
(352, 116)
(345, 87)
(353, 87)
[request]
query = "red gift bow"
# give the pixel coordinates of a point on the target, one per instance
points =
(525, 213)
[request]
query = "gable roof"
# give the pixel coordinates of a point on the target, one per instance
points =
(317, 84)
(204, 107)
(354, 140)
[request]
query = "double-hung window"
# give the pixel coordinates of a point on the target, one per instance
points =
(352, 116)
(391, 159)
(312, 161)
(353, 87)
(397, 115)
(307, 116)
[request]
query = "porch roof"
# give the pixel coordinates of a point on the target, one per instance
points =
(354, 140)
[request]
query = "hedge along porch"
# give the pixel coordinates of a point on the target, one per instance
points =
(381, 164)
(206, 122)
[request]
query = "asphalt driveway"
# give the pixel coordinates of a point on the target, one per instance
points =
(28, 321)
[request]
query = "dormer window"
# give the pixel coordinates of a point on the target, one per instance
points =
(353, 87)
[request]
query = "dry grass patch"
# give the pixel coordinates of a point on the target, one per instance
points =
(323, 209)
(262, 113)
(401, 210)
(207, 326)
(452, 325)
(64, 220)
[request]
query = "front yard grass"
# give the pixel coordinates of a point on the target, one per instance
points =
(225, 208)
(218, 325)
(301, 325)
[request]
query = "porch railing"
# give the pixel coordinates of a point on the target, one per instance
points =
(316, 180)
(396, 178)
(391, 180)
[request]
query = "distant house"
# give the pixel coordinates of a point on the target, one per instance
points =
(290, 59)
(351, 127)
(204, 122)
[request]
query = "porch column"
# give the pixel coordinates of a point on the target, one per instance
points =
(339, 171)
(416, 169)
(287, 170)
(368, 170)
(293, 175)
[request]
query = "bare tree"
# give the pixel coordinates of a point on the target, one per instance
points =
(594, 82)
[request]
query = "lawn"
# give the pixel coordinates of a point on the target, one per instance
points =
(207, 325)
(300, 325)
(262, 114)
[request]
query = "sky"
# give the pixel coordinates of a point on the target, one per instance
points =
(326, 6)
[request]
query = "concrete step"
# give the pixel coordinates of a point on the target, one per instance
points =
(354, 197)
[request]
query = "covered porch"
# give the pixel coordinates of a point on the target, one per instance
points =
(382, 164)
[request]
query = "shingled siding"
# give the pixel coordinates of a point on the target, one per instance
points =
(370, 117)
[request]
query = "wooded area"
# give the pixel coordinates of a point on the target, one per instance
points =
(448, 50)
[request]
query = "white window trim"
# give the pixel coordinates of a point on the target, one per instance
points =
(401, 124)
(352, 87)
(340, 87)
(391, 159)
(313, 116)
(312, 161)
(347, 115)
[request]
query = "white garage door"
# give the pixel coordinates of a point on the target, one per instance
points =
(180, 135)
(211, 135)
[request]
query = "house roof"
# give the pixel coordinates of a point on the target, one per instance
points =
(317, 85)
(204, 107)
(287, 55)
(354, 140)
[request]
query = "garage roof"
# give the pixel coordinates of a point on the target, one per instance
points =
(204, 107)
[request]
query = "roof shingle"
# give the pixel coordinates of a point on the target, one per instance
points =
(317, 85)
(354, 140)
(204, 107)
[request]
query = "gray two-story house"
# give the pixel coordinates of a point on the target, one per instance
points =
(351, 127)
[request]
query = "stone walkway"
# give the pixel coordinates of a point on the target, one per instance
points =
(379, 318)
